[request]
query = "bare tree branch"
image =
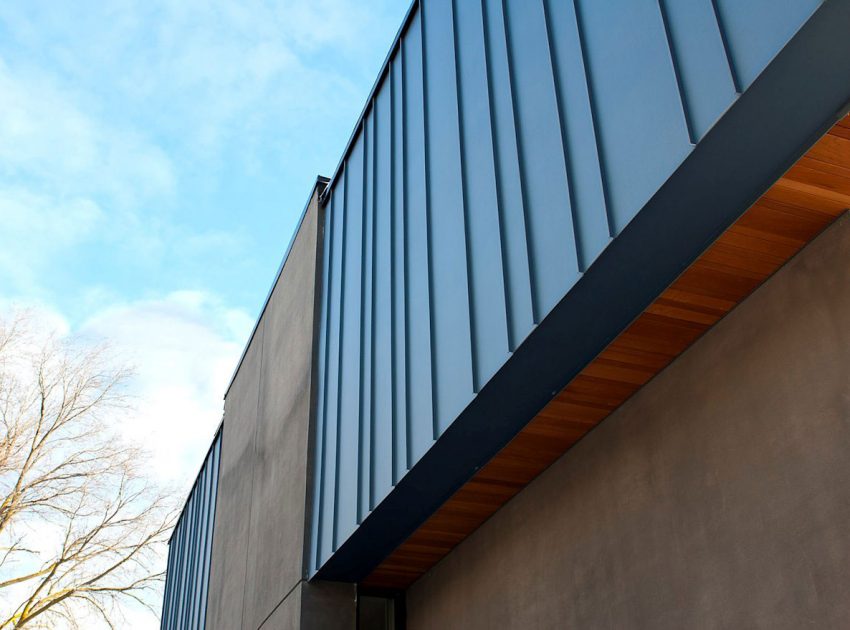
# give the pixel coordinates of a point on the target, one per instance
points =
(81, 528)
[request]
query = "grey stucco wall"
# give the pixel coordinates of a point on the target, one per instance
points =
(233, 503)
(315, 606)
(258, 543)
(718, 496)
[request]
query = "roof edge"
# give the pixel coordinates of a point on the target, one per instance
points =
(318, 188)
(369, 99)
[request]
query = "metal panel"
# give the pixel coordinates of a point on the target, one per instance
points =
(636, 98)
(187, 576)
(578, 134)
(398, 260)
(418, 318)
(707, 86)
(329, 380)
(490, 342)
(351, 361)
(756, 30)
(505, 146)
(509, 184)
(449, 291)
(381, 471)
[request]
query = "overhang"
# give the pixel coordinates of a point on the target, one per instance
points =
(454, 365)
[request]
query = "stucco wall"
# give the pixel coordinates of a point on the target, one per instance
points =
(718, 496)
(257, 575)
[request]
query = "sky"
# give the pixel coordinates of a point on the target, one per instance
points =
(154, 159)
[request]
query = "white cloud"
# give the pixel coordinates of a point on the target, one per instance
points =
(38, 229)
(122, 125)
(207, 72)
(47, 135)
(184, 347)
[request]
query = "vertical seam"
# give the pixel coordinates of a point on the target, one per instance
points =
(335, 526)
(497, 168)
(214, 477)
(429, 228)
(591, 97)
(727, 48)
(361, 411)
(529, 238)
(372, 441)
(319, 509)
(393, 311)
(677, 73)
(406, 254)
(464, 192)
(562, 127)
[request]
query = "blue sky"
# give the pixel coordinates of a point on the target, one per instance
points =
(154, 158)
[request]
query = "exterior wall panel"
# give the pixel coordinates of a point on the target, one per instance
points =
(639, 113)
(329, 379)
(506, 145)
(351, 435)
(549, 224)
(381, 472)
(509, 185)
(578, 134)
(489, 343)
(259, 558)
(419, 413)
(187, 578)
(707, 84)
(399, 265)
(757, 29)
(451, 353)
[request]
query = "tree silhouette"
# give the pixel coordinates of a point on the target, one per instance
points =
(82, 528)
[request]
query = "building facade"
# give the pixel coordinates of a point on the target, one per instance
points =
(562, 341)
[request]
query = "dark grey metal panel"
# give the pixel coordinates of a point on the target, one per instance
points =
(506, 145)
(187, 576)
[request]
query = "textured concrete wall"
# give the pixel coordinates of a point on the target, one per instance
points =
(233, 502)
(258, 544)
(718, 496)
(316, 606)
(276, 537)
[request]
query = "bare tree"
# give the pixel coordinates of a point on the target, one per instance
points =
(82, 528)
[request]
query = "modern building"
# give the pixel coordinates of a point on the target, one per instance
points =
(564, 342)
